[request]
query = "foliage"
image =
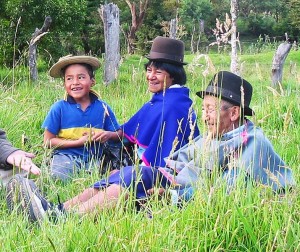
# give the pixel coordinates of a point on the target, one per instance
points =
(77, 27)
(192, 13)
(219, 9)
(158, 11)
(294, 19)
(260, 24)
(245, 220)
(67, 22)
(271, 7)
(195, 10)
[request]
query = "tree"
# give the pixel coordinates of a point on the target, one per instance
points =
(226, 33)
(234, 58)
(294, 16)
(92, 35)
(37, 35)
(263, 17)
(278, 61)
(68, 18)
(110, 16)
(137, 18)
(193, 14)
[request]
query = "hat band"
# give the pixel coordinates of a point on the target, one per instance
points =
(158, 55)
(224, 94)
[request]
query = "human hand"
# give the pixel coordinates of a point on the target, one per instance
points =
(102, 136)
(86, 137)
(23, 160)
(159, 191)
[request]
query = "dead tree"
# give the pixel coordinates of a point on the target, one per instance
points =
(200, 24)
(226, 33)
(222, 33)
(278, 62)
(174, 22)
(173, 28)
(36, 36)
(136, 21)
(111, 22)
(234, 57)
(166, 28)
(201, 30)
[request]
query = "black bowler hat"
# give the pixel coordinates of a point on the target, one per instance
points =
(167, 50)
(231, 88)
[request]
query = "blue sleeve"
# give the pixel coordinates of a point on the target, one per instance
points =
(52, 121)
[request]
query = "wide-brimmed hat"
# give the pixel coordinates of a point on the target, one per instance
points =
(231, 88)
(167, 50)
(56, 69)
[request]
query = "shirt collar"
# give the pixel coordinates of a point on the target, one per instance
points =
(93, 96)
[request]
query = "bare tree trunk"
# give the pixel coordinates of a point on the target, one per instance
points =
(192, 38)
(201, 30)
(278, 62)
(234, 58)
(173, 28)
(136, 22)
(36, 36)
(173, 23)
(111, 22)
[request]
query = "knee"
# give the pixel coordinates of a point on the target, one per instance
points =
(92, 191)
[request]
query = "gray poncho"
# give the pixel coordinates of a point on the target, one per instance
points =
(243, 149)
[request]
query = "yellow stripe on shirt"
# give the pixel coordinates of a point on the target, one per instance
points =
(76, 133)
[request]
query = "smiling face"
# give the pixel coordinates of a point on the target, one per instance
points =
(219, 116)
(78, 82)
(158, 79)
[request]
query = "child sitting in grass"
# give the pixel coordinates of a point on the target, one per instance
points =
(76, 126)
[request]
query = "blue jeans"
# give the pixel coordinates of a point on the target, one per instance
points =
(64, 166)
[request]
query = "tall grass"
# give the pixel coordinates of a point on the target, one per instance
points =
(245, 220)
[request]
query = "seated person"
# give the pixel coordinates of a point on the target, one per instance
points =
(166, 122)
(76, 126)
(11, 157)
(233, 144)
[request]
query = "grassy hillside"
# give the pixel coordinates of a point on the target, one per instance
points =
(252, 220)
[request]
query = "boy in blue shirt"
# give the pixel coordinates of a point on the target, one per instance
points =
(76, 126)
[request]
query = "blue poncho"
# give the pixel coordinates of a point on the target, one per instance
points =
(162, 125)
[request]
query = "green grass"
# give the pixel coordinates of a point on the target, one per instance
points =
(245, 220)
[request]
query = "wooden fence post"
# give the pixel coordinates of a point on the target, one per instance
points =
(173, 28)
(36, 36)
(110, 17)
(278, 62)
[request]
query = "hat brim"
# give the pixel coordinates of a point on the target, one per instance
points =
(247, 111)
(166, 60)
(55, 70)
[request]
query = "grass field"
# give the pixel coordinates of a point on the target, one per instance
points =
(245, 220)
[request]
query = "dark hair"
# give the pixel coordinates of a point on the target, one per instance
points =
(177, 72)
(88, 67)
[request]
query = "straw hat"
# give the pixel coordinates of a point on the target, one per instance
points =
(231, 88)
(167, 50)
(56, 69)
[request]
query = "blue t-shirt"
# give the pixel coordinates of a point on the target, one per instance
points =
(66, 120)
